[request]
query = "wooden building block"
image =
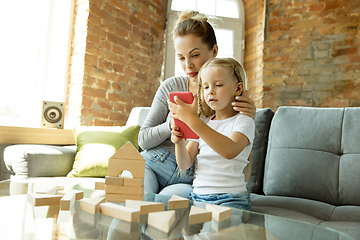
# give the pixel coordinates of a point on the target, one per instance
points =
(91, 205)
(68, 200)
(118, 197)
(47, 190)
(134, 182)
(105, 220)
(128, 181)
(163, 221)
(249, 231)
(219, 213)
(218, 226)
(199, 215)
(177, 202)
(145, 207)
(60, 188)
(100, 185)
(124, 189)
(118, 181)
(90, 218)
(120, 212)
(78, 194)
(127, 158)
(129, 227)
(52, 211)
(116, 166)
(43, 199)
(129, 152)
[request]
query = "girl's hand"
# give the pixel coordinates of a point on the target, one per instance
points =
(245, 105)
(184, 112)
(175, 133)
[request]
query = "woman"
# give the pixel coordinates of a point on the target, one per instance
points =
(195, 43)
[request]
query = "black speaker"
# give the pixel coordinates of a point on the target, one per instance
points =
(52, 115)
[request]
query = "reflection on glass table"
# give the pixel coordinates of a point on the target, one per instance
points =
(49, 223)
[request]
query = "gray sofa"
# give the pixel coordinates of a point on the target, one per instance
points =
(305, 165)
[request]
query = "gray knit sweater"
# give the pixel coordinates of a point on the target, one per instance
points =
(155, 130)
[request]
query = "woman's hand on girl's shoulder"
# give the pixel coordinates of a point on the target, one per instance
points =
(245, 105)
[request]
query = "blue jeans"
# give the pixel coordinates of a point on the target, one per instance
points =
(162, 174)
(235, 200)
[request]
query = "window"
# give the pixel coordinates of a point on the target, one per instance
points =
(35, 48)
(223, 8)
(229, 29)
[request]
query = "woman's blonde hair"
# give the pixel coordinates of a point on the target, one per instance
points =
(234, 68)
(192, 22)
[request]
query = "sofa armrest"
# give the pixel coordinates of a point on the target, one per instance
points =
(32, 160)
(263, 120)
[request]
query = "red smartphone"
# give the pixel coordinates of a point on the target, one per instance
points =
(188, 98)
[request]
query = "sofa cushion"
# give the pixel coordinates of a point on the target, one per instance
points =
(262, 123)
(283, 228)
(285, 213)
(95, 145)
(347, 228)
(307, 210)
(304, 153)
(341, 218)
(346, 213)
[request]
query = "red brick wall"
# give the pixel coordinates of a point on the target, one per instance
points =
(116, 60)
(312, 53)
(309, 55)
(254, 45)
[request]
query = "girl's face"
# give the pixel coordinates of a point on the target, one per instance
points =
(220, 88)
(192, 54)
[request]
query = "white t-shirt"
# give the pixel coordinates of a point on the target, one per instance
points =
(215, 174)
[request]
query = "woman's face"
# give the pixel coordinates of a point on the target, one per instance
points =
(192, 54)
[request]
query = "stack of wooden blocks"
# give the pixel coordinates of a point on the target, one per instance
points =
(131, 191)
(117, 188)
(53, 196)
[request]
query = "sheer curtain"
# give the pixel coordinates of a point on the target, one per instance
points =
(34, 46)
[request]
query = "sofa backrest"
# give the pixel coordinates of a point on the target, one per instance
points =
(137, 116)
(314, 153)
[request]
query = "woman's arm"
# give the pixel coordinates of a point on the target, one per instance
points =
(156, 127)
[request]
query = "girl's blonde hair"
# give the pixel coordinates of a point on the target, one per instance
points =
(192, 22)
(234, 68)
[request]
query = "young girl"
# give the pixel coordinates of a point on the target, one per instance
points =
(226, 136)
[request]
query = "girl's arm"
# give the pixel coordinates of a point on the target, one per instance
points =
(185, 153)
(227, 147)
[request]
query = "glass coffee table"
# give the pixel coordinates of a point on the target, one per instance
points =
(20, 220)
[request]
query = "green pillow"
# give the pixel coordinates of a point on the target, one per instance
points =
(95, 145)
